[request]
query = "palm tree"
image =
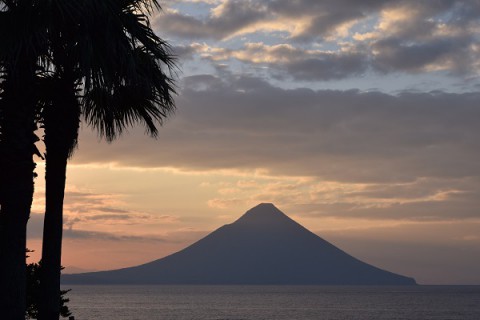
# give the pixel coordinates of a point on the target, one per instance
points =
(21, 44)
(118, 63)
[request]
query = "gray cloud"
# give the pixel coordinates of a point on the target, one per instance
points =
(441, 34)
(426, 199)
(113, 210)
(122, 217)
(330, 66)
(87, 205)
(396, 54)
(288, 61)
(420, 148)
(127, 218)
(183, 52)
(234, 15)
(435, 35)
(446, 209)
(183, 26)
(97, 235)
(341, 135)
(35, 227)
(325, 16)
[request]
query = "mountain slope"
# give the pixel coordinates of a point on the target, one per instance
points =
(264, 246)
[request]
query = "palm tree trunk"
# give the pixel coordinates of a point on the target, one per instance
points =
(61, 121)
(16, 189)
(13, 221)
(55, 175)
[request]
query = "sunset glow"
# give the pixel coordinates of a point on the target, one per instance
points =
(358, 119)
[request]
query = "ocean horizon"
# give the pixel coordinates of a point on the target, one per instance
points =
(234, 302)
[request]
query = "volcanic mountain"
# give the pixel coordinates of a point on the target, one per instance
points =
(264, 246)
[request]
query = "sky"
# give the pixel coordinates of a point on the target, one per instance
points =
(358, 119)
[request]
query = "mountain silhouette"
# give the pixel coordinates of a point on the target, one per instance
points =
(264, 246)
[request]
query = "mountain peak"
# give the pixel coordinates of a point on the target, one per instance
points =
(263, 214)
(263, 247)
(264, 207)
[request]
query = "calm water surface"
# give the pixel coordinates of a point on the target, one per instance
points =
(274, 302)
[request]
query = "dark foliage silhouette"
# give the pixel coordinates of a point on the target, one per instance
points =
(119, 90)
(33, 293)
(21, 45)
(59, 59)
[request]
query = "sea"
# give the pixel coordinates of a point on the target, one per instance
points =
(274, 302)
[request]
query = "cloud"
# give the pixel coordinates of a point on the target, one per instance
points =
(75, 220)
(285, 60)
(302, 19)
(99, 236)
(183, 52)
(86, 205)
(121, 217)
(334, 153)
(450, 54)
(314, 20)
(90, 214)
(225, 20)
(324, 18)
(339, 135)
(420, 200)
(355, 36)
(35, 227)
(224, 203)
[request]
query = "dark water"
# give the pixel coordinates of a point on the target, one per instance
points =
(274, 302)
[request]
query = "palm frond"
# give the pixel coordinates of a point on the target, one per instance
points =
(146, 98)
(130, 77)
